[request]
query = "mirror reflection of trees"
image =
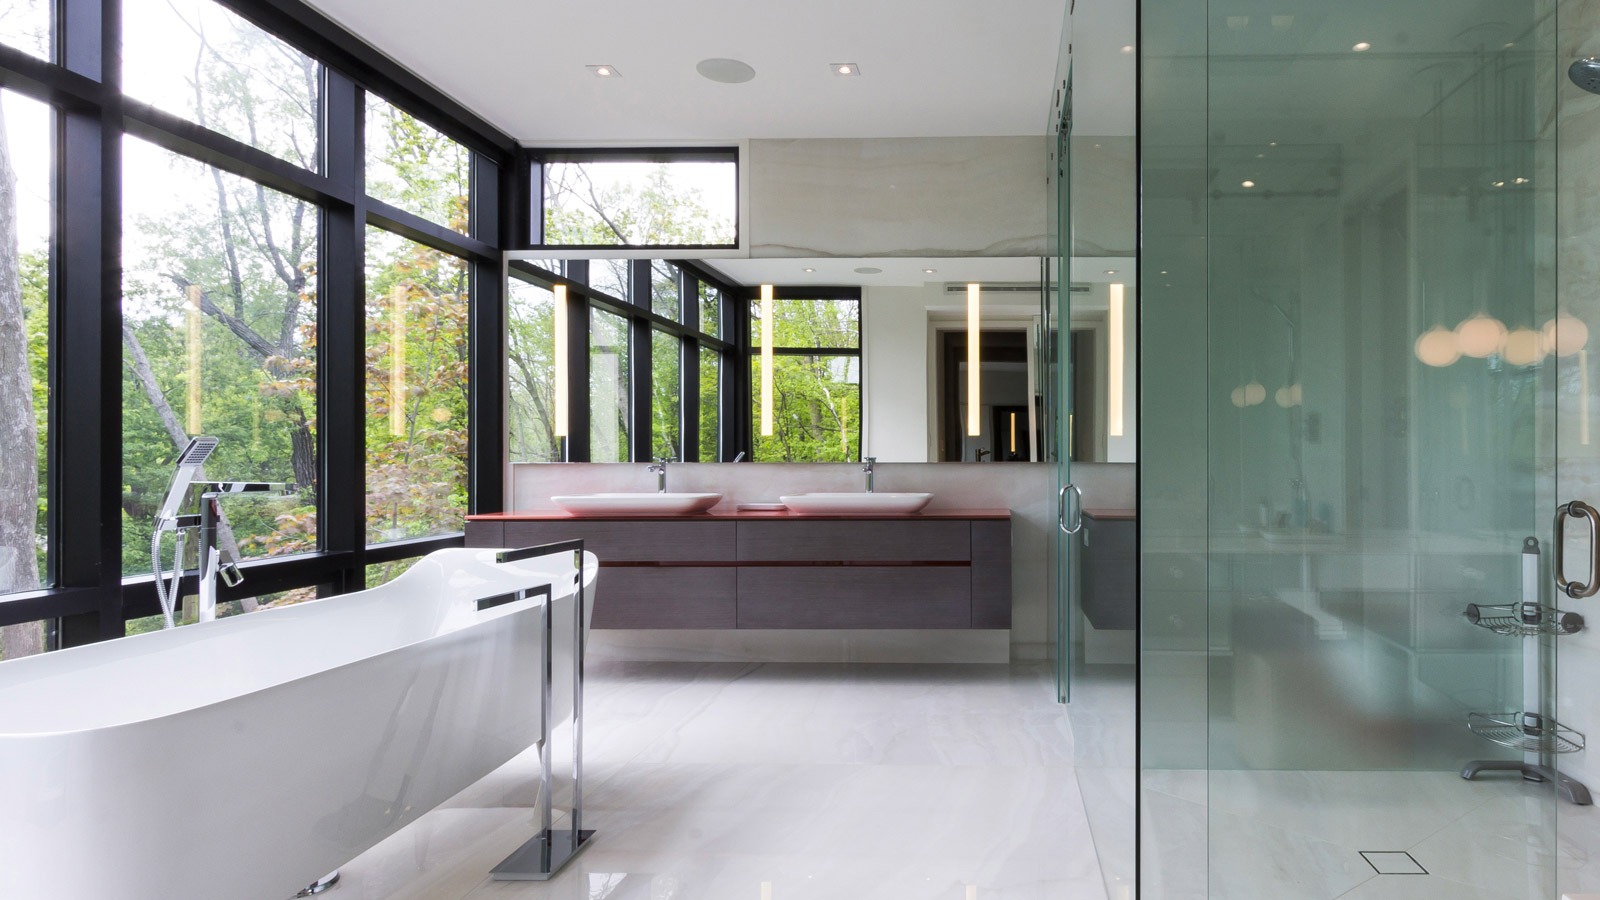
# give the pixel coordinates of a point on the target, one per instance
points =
(816, 396)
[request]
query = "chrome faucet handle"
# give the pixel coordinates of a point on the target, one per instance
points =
(869, 460)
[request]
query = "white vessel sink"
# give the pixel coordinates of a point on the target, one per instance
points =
(640, 504)
(858, 503)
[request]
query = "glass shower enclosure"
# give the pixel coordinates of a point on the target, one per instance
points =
(1370, 261)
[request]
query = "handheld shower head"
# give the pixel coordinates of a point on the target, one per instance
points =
(189, 462)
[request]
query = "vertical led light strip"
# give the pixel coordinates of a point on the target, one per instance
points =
(766, 360)
(397, 361)
(974, 334)
(1114, 376)
(195, 355)
(560, 357)
(1013, 432)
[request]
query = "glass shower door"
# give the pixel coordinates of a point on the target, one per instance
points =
(1350, 258)
(1057, 299)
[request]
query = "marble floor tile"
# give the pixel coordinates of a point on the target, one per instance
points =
(786, 782)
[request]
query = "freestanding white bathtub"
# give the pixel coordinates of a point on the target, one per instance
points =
(244, 758)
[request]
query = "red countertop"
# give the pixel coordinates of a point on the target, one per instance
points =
(718, 515)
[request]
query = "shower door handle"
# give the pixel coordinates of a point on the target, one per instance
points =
(1590, 586)
(1077, 509)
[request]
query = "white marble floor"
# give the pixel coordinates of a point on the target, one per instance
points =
(1299, 836)
(790, 782)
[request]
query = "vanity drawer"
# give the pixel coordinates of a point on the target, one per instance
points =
(643, 541)
(665, 597)
(854, 597)
(873, 540)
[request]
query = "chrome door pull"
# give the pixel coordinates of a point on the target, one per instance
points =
(1077, 509)
(1589, 587)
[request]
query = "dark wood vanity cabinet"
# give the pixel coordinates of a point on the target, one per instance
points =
(777, 571)
(1110, 560)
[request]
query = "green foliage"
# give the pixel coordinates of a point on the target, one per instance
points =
(816, 397)
(416, 418)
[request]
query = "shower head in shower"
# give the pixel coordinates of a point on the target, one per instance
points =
(189, 462)
(1585, 73)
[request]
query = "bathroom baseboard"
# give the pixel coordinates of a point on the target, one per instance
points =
(802, 645)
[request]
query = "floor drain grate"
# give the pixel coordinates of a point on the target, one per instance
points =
(1393, 862)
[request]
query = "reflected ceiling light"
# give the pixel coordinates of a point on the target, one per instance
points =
(845, 68)
(1565, 335)
(766, 360)
(1519, 180)
(725, 71)
(1111, 271)
(929, 271)
(1247, 183)
(397, 360)
(1437, 347)
(1362, 47)
(1114, 373)
(195, 294)
(1163, 271)
(560, 357)
(1481, 336)
(1499, 184)
(974, 335)
(1237, 397)
(604, 71)
(809, 269)
(1272, 143)
(1255, 393)
(1524, 347)
(1127, 48)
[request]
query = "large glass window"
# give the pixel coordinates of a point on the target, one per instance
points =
(219, 312)
(608, 388)
(195, 59)
(595, 199)
(530, 357)
(816, 401)
(25, 25)
(413, 166)
(25, 210)
(417, 378)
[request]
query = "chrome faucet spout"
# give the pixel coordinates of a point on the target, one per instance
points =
(867, 468)
(660, 468)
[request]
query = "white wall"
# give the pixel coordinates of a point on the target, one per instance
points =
(950, 196)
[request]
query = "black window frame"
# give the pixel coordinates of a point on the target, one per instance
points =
(89, 599)
(753, 352)
(644, 326)
(533, 159)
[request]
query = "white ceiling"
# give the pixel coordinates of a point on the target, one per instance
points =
(929, 67)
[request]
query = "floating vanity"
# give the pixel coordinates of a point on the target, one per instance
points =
(942, 569)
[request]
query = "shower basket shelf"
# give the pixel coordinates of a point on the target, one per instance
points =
(1527, 732)
(1524, 619)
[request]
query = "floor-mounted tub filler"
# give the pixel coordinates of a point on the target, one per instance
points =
(244, 758)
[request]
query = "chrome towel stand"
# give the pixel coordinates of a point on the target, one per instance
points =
(544, 855)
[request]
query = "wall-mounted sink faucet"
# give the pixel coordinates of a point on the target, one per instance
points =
(867, 468)
(660, 468)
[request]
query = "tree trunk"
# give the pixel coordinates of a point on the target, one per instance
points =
(19, 434)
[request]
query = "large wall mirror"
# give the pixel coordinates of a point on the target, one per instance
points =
(869, 357)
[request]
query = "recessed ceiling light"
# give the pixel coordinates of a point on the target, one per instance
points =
(929, 271)
(1272, 143)
(1362, 47)
(1519, 180)
(845, 68)
(1127, 48)
(725, 71)
(809, 269)
(869, 270)
(605, 71)
(1247, 183)
(1163, 271)
(1111, 271)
